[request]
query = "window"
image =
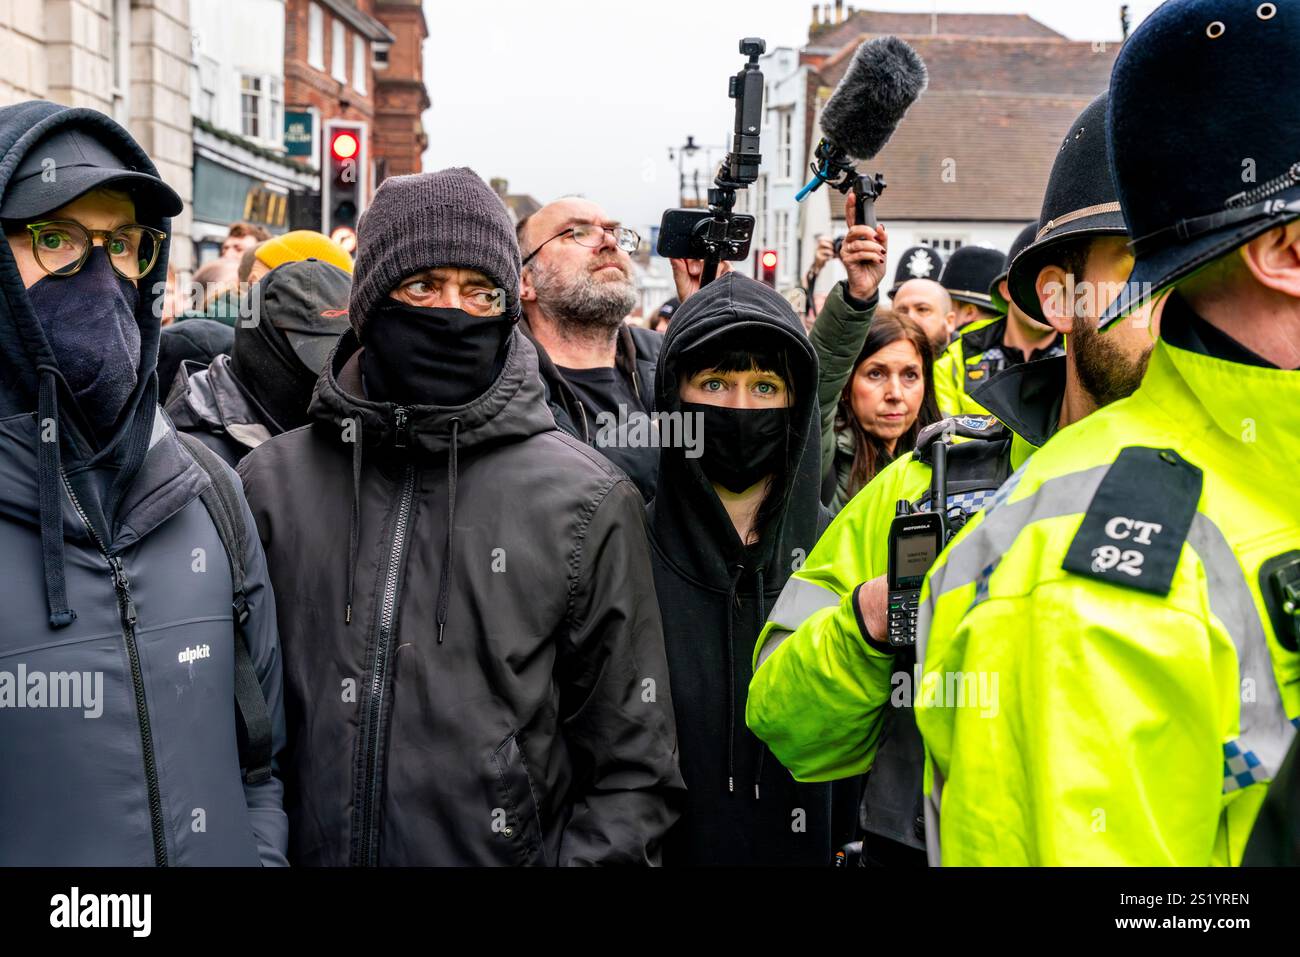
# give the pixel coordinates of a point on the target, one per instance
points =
(203, 87)
(274, 110)
(251, 122)
(261, 108)
(338, 54)
(360, 63)
(315, 36)
(944, 244)
(785, 144)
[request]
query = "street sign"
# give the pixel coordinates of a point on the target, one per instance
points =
(299, 132)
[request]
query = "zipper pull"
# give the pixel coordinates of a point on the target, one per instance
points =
(123, 587)
(400, 419)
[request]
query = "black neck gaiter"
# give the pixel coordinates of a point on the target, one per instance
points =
(265, 364)
(421, 356)
(741, 446)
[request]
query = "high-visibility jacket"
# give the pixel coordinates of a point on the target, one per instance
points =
(820, 689)
(973, 359)
(1108, 676)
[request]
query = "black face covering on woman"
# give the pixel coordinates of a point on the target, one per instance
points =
(89, 322)
(416, 355)
(741, 446)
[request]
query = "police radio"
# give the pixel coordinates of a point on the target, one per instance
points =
(915, 541)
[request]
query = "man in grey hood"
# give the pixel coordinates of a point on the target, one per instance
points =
(120, 735)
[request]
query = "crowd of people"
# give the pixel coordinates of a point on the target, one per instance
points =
(430, 556)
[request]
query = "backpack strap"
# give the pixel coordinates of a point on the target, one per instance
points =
(253, 717)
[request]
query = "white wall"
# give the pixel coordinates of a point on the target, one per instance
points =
(241, 36)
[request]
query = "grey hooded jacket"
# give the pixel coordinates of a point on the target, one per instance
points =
(117, 712)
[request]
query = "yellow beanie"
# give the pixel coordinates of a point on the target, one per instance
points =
(303, 244)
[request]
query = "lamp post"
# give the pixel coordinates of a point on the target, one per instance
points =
(689, 148)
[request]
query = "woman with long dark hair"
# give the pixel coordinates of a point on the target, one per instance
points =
(887, 401)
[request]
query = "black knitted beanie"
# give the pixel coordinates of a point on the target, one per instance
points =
(448, 218)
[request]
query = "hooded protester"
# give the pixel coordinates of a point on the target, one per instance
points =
(737, 360)
(482, 605)
(264, 386)
(117, 604)
(198, 340)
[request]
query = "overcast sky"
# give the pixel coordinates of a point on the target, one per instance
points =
(569, 96)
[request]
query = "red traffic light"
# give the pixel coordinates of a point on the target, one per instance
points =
(344, 146)
(769, 259)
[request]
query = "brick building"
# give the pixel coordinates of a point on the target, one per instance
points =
(400, 96)
(358, 61)
(968, 164)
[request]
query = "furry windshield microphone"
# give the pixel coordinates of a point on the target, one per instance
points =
(884, 79)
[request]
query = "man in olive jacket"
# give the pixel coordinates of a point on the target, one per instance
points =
(474, 659)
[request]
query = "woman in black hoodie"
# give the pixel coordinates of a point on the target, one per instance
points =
(732, 518)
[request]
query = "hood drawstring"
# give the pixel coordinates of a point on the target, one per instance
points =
(731, 680)
(354, 526)
(444, 587)
(49, 480)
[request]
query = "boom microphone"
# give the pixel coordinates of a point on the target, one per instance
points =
(885, 78)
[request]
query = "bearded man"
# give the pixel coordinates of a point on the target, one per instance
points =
(599, 371)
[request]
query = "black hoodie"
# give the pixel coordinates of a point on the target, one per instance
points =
(743, 807)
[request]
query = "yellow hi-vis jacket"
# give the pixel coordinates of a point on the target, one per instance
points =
(1117, 593)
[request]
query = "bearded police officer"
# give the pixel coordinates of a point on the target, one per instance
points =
(1141, 559)
(819, 699)
(1010, 338)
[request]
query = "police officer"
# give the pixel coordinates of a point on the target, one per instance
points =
(1127, 586)
(917, 262)
(819, 698)
(1008, 338)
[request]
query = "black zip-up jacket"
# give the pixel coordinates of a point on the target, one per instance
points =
(743, 807)
(636, 355)
(117, 598)
(474, 659)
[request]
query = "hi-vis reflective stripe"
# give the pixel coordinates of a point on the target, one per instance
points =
(1265, 731)
(799, 600)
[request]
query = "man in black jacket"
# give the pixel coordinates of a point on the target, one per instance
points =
(263, 388)
(474, 660)
(598, 369)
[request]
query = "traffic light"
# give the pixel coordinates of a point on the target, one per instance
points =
(767, 265)
(343, 180)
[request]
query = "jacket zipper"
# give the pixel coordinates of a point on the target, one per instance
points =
(126, 612)
(367, 849)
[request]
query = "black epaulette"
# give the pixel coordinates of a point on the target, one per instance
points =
(1135, 526)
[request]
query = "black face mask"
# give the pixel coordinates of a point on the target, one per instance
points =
(421, 356)
(741, 446)
(89, 322)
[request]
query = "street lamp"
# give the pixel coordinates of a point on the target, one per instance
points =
(689, 148)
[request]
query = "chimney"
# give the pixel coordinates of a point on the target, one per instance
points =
(839, 11)
(826, 13)
(500, 185)
(816, 21)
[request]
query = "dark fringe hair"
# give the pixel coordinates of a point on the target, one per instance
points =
(870, 455)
